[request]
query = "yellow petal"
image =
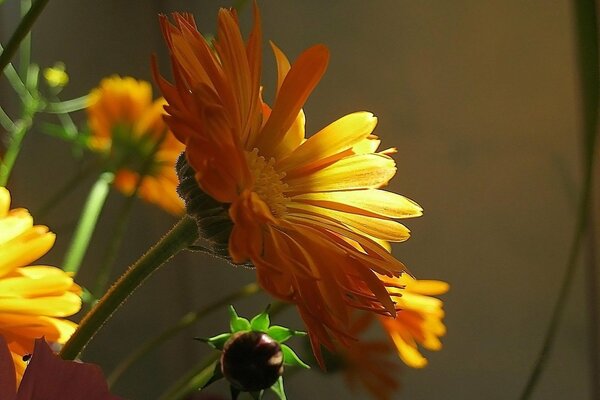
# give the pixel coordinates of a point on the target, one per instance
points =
(4, 201)
(380, 228)
(335, 138)
(15, 223)
(54, 306)
(375, 201)
(25, 248)
(362, 171)
(429, 287)
(35, 281)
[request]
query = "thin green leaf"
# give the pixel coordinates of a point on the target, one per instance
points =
(280, 333)
(290, 358)
(261, 322)
(236, 323)
(278, 389)
(216, 342)
(217, 374)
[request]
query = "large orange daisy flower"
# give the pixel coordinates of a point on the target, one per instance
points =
(33, 299)
(125, 122)
(309, 214)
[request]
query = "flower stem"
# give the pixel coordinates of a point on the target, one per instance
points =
(184, 233)
(25, 48)
(194, 379)
(185, 321)
(66, 189)
(585, 11)
(16, 139)
(21, 32)
(67, 106)
(87, 222)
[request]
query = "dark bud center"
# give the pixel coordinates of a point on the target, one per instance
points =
(252, 361)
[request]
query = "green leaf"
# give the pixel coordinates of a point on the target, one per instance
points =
(281, 333)
(278, 389)
(290, 358)
(237, 324)
(261, 322)
(216, 342)
(217, 374)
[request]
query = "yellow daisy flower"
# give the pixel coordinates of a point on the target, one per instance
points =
(33, 299)
(308, 213)
(419, 319)
(125, 121)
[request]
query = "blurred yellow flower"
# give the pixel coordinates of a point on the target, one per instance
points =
(419, 319)
(309, 214)
(125, 122)
(56, 76)
(33, 299)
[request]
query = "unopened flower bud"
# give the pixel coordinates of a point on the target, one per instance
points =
(252, 361)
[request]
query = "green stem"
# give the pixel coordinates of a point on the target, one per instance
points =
(66, 189)
(67, 106)
(5, 120)
(87, 222)
(187, 320)
(183, 234)
(16, 139)
(21, 32)
(25, 48)
(194, 379)
(587, 34)
(123, 219)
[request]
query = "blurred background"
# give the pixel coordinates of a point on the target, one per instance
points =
(482, 100)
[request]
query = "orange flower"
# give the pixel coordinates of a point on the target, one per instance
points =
(125, 122)
(419, 320)
(33, 299)
(309, 214)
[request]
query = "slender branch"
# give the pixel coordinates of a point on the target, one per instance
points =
(67, 106)
(586, 12)
(194, 379)
(5, 120)
(66, 189)
(87, 222)
(184, 233)
(186, 321)
(14, 148)
(21, 32)
(25, 48)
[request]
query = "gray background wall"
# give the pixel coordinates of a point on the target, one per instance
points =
(481, 100)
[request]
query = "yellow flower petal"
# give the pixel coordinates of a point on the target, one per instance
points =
(25, 248)
(62, 305)
(362, 171)
(374, 201)
(335, 138)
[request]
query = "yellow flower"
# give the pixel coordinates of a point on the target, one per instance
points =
(125, 121)
(309, 214)
(419, 319)
(33, 299)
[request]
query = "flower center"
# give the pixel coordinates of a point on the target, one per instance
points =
(267, 183)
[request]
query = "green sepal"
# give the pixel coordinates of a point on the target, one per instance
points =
(236, 323)
(290, 358)
(281, 333)
(257, 395)
(217, 374)
(216, 342)
(260, 323)
(278, 389)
